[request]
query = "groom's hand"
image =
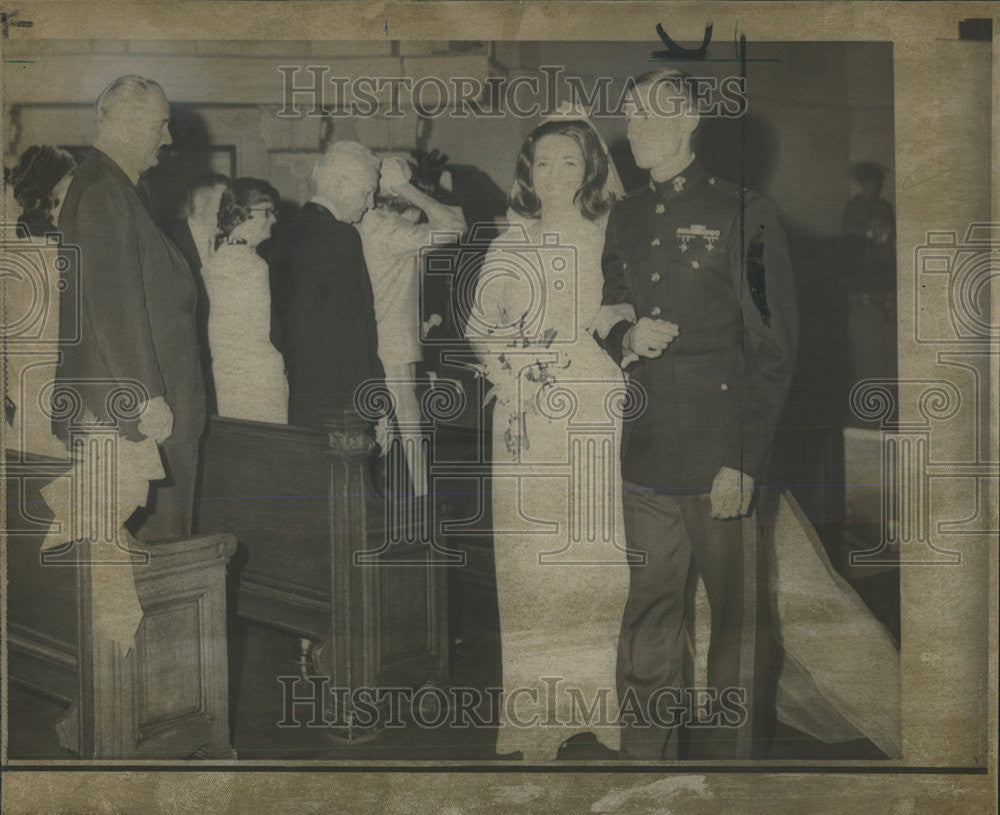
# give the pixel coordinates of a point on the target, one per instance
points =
(731, 493)
(649, 337)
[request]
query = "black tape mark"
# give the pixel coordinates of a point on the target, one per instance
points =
(755, 276)
(7, 20)
(980, 29)
(675, 52)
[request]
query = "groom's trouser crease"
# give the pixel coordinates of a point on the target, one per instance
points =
(673, 531)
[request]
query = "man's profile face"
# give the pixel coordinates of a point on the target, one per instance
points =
(659, 124)
(147, 128)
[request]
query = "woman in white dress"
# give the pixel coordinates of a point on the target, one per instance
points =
(559, 543)
(249, 372)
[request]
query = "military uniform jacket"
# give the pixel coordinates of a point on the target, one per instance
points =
(698, 252)
(133, 303)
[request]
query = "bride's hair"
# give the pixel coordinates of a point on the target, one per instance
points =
(590, 198)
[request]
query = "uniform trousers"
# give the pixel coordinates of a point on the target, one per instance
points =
(673, 532)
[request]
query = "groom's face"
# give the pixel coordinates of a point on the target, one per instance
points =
(660, 123)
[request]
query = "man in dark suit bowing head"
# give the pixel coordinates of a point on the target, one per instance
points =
(328, 331)
(704, 265)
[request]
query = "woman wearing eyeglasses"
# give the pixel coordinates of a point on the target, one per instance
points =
(249, 372)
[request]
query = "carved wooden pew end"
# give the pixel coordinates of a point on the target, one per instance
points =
(312, 530)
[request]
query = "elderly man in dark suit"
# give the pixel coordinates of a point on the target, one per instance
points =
(704, 265)
(136, 301)
(329, 337)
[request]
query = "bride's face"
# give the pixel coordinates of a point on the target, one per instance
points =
(557, 171)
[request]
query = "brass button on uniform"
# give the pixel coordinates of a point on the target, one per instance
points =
(725, 387)
(654, 242)
(655, 277)
(660, 209)
(655, 310)
(695, 264)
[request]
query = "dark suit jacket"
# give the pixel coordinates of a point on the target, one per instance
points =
(180, 233)
(134, 306)
(697, 252)
(329, 337)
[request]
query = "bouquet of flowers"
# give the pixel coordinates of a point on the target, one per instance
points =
(519, 380)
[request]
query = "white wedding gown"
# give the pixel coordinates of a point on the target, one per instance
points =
(559, 542)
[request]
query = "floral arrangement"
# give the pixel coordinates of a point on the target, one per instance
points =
(520, 381)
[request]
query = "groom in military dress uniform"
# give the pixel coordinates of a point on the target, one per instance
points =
(704, 265)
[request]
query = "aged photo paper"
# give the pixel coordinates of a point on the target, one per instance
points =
(477, 407)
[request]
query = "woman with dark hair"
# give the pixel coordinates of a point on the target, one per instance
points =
(39, 182)
(248, 371)
(559, 542)
(591, 198)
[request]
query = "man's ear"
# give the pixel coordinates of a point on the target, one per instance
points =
(124, 121)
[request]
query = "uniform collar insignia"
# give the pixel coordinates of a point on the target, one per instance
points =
(683, 182)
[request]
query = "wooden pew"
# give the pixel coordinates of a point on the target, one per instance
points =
(313, 557)
(169, 697)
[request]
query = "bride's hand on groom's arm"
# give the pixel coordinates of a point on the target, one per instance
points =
(732, 492)
(608, 316)
(648, 337)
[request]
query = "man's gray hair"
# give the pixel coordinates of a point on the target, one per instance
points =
(343, 156)
(123, 92)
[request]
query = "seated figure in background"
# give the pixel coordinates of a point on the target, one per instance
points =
(392, 239)
(248, 371)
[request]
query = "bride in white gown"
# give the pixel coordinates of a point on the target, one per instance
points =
(559, 543)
